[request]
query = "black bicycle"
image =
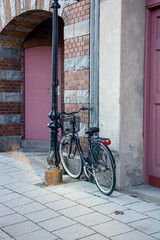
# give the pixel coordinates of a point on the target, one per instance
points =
(98, 164)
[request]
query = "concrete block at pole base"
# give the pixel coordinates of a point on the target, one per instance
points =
(53, 177)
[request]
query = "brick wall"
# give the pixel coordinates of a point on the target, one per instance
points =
(76, 61)
(16, 26)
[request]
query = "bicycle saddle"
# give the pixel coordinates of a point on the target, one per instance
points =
(92, 130)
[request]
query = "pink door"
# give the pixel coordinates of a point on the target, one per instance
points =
(154, 104)
(38, 91)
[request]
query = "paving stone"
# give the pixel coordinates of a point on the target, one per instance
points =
(29, 208)
(21, 228)
(33, 179)
(76, 211)
(92, 201)
(125, 199)
(11, 219)
(156, 235)
(37, 235)
(92, 188)
(109, 208)
(112, 228)
(4, 191)
(135, 235)
(154, 214)
(73, 232)
(48, 198)
(148, 226)
(57, 223)
(26, 189)
(128, 216)
(61, 204)
(16, 174)
(114, 194)
(80, 185)
(77, 195)
(42, 215)
(143, 207)
(10, 196)
(18, 202)
(4, 236)
(8, 171)
(95, 237)
(17, 185)
(4, 211)
(37, 193)
(5, 180)
(61, 190)
(1, 205)
(92, 219)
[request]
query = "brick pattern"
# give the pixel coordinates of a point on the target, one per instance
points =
(76, 80)
(10, 64)
(76, 47)
(10, 86)
(78, 12)
(10, 108)
(10, 130)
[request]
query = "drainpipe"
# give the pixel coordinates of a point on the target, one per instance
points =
(94, 62)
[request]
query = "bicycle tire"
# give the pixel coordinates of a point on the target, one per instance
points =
(70, 158)
(103, 168)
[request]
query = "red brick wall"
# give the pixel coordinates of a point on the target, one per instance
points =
(75, 47)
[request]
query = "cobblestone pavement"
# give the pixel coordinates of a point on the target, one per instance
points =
(29, 210)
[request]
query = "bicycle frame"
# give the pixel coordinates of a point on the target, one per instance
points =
(75, 138)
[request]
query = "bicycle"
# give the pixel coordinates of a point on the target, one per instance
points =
(98, 163)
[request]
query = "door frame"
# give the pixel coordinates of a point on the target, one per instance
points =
(150, 5)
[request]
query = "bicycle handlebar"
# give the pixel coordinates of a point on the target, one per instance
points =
(82, 108)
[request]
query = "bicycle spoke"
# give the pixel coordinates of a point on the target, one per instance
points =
(104, 173)
(70, 158)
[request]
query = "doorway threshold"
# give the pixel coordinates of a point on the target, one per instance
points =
(145, 192)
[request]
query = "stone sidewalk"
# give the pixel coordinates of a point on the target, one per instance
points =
(29, 210)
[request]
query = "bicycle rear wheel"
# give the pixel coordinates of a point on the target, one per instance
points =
(70, 158)
(103, 168)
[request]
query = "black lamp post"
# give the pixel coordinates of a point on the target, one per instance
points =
(54, 174)
(53, 159)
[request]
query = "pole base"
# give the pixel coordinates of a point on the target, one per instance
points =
(53, 176)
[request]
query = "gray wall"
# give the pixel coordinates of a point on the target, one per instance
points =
(130, 163)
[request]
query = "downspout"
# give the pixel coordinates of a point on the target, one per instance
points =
(94, 62)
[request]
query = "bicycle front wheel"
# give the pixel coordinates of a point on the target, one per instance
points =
(103, 168)
(70, 158)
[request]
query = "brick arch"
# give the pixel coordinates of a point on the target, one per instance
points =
(13, 8)
(15, 32)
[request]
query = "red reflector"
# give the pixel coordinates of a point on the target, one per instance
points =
(106, 142)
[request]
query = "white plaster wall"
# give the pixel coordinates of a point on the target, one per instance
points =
(109, 70)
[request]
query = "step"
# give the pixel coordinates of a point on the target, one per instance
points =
(35, 146)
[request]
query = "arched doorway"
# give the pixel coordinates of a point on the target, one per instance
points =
(28, 30)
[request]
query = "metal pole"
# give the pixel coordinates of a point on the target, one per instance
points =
(53, 158)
